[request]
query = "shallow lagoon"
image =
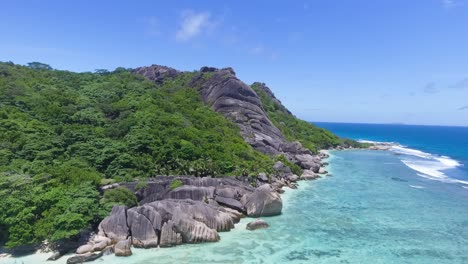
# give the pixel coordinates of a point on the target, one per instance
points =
(374, 209)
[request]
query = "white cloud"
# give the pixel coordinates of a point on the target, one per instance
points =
(194, 24)
(449, 3)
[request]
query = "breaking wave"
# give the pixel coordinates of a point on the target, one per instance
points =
(430, 166)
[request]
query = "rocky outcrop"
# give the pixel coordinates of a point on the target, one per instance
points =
(197, 193)
(257, 224)
(264, 201)
(157, 73)
(200, 189)
(226, 94)
(115, 226)
(145, 224)
(309, 175)
(322, 171)
(122, 248)
(308, 162)
(169, 236)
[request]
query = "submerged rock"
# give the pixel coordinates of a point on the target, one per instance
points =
(257, 224)
(84, 258)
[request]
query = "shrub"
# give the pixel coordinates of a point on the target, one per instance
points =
(176, 183)
(119, 196)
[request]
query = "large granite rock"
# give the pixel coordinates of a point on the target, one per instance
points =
(194, 188)
(281, 169)
(145, 224)
(264, 201)
(197, 193)
(84, 249)
(230, 202)
(122, 248)
(308, 162)
(213, 217)
(309, 175)
(157, 73)
(213, 205)
(169, 236)
(115, 226)
(226, 94)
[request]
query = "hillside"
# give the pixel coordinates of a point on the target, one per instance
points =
(64, 134)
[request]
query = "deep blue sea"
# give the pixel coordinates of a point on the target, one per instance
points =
(406, 205)
(439, 152)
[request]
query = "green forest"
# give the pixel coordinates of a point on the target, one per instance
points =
(64, 134)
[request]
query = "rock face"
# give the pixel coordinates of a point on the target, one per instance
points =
(122, 248)
(115, 226)
(157, 73)
(257, 224)
(309, 175)
(226, 94)
(213, 205)
(169, 236)
(196, 193)
(263, 202)
(145, 223)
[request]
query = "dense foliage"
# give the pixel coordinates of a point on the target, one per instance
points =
(119, 196)
(310, 136)
(62, 134)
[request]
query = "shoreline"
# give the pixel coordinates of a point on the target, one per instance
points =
(286, 194)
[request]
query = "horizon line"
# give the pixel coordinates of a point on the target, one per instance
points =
(388, 124)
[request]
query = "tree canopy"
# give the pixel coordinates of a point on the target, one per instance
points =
(62, 134)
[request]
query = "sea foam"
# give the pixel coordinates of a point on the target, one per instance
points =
(429, 166)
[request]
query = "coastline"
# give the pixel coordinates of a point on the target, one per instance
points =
(294, 187)
(325, 219)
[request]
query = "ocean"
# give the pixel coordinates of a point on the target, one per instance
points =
(437, 152)
(406, 205)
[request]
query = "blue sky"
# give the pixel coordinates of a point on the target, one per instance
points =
(386, 61)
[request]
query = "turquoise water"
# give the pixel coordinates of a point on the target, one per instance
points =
(374, 209)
